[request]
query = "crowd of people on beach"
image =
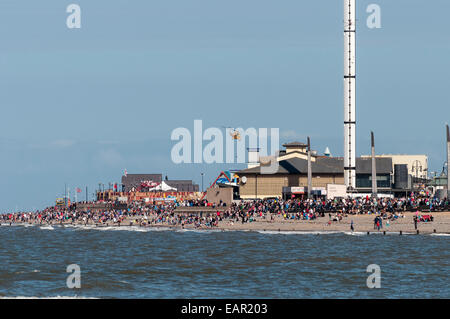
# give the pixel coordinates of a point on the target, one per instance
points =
(144, 214)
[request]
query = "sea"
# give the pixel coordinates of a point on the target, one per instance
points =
(133, 262)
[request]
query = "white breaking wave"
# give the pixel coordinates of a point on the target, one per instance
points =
(160, 229)
(52, 297)
(47, 227)
(120, 228)
(25, 272)
(84, 226)
(287, 232)
(440, 234)
(199, 231)
(123, 228)
(355, 233)
(360, 233)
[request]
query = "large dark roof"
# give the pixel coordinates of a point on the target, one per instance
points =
(295, 144)
(327, 165)
(183, 185)
(142, 177)
(135, 180)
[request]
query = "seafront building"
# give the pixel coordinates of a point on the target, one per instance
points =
(394, 173)
(417, 164)
(396, 176)
(149, 188)
(135, 182)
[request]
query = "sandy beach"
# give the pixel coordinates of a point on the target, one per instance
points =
(361, 223)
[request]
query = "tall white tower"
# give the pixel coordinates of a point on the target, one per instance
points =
(349, 94)
(448, 163)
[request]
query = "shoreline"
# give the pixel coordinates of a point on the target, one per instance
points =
(362, 224)
(385, 232)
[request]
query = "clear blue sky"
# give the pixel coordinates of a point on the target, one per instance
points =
(79, 106)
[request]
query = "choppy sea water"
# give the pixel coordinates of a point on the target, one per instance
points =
(132, 262)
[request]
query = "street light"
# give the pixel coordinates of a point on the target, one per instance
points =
(202, 180)
(417, 167)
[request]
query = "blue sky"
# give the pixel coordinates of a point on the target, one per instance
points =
(79, 106)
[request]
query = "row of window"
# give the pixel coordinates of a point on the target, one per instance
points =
(366, 180)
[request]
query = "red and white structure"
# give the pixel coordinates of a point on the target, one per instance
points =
(349, 94)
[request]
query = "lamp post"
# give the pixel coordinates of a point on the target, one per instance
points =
(202, 179)
(417, 167)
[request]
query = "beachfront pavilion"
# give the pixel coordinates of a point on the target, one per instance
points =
(293, 173)
(132, 182)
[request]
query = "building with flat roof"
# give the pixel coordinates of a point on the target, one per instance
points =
(417, 164)
(396, 174)
(292, 172)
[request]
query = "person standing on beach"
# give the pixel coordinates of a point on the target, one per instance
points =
(377, 223)
(351, 226)
(415, 222)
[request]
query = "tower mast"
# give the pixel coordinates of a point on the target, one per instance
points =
(349, 94)
(448, 163)
(309, 170)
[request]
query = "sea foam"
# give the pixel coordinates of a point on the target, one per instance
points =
(293, 232)
(50, 297)
(47, 227)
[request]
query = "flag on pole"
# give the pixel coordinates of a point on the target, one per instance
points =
(79, 190)
(125, 173)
